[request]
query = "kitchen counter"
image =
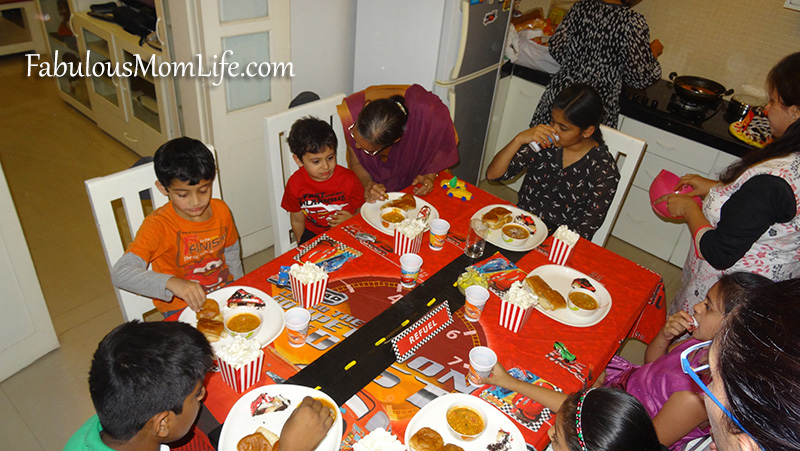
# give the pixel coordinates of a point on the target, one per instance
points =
(650, 107)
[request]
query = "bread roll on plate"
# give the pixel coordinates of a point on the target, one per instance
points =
(497, 217)
(406, 202)
(451, 447)
(212, 329)
(425, 439)
(549, 298)
(210, 310)
(261, 440)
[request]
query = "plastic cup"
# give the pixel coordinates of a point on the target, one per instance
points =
(476, 238)
(481, 361)
(476, 301)
(410, 265)
(296, 320)
(439, 229)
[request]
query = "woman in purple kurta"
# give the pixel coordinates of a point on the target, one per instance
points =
(397, 135)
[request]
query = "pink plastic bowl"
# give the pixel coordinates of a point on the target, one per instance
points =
(664, 183)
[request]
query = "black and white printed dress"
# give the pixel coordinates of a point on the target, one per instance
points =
(577, 196)
(604, 46)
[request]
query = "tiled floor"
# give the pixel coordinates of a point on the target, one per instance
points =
(47, 150)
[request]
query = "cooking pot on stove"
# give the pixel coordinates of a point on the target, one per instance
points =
(741, 104)
(697, 89)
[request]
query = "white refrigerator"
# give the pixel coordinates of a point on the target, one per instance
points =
(453, 48)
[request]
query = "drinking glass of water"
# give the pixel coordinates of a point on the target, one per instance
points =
(476, 238)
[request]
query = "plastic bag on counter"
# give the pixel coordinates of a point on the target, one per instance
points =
(522, 50)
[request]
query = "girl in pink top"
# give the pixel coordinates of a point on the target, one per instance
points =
(673, 400)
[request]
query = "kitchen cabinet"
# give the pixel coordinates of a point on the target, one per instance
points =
(637, 223)
(132, 109)
(61, 39)
(138, 110)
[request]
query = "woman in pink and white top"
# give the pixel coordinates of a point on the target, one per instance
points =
(750, 219)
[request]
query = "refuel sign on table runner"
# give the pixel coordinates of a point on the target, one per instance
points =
(420, 332)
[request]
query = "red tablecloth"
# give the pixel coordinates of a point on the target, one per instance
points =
(371, 283)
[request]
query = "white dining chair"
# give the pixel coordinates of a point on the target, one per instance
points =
(280, 165)
(136, 189)
(627, 151)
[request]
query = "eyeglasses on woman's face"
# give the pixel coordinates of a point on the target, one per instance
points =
(692, 372)
(371, 153)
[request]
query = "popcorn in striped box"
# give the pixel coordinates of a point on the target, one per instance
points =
(240, 363)
(408, 236)
(309, 283)
(564, 241)
(516, 307)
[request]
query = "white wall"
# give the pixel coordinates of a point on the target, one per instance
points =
(323, 46)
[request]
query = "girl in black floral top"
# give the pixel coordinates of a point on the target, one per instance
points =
(573, 178)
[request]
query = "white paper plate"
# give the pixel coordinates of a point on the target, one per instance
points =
(433, 415)
(240, 422)
(496, 236)
(371, 212)
(560, 279)
(272, 314)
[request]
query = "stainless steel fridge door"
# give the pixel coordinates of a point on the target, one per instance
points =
(485, 38)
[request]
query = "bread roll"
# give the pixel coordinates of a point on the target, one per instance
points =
(210, 310)
(426, 439)
(451, 447)
(254, 442)
(406, 202)
(261, 440)
(549, 298)
(211, 329)
(497, 217)
(271, 437)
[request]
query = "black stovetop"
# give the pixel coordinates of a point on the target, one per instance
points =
(651, 106)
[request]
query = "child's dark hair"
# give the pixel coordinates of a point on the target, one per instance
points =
(311, 135)
(735, 288)
(610, 420)
(383, 121)
(142, 369)
(758, 362)
(583, 107)
(184, 159)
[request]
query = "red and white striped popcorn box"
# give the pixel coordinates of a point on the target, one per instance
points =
(308, 295)
(559, 252)
(240, 379)
(512, 316)
(405, 245)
